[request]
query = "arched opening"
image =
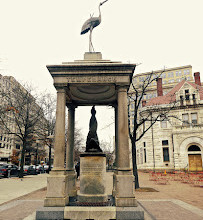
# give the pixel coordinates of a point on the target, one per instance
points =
(194, 148)
(194, 158)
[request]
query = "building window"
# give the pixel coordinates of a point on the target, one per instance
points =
(145, 153)
(165, 154)
(185, 119)
(194, 148)
(187, 96)
(165, 142)
(170, 75)
(194, 118)
(171, 81)
(17, 146)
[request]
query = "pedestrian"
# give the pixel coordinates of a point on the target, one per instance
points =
(77, 168)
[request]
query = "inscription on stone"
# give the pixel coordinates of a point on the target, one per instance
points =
(92, 169)
(91, 79)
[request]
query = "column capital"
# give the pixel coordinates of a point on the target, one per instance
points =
(60, 90)
(122, 88)
(71, 106)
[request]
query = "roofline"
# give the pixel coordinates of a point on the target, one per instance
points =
(166, 70)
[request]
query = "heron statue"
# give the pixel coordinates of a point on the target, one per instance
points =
(90, 24)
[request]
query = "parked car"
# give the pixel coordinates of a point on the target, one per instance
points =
(25, 168)
(32, 170)
(39, 169)
(8, 170)
(46, 168)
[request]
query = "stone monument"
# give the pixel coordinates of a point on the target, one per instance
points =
(91, 81)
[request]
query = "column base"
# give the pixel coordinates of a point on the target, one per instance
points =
(114, 185)
(56, 202)
(57, 189)
(125, 202)
(71, 178)
(125, 189)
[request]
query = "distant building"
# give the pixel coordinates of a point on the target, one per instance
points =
(9, 142)
(175, 143)
(170, 77)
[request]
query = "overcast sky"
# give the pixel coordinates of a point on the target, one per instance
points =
(155, 33)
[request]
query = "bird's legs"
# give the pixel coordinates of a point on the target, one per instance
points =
(91, 48)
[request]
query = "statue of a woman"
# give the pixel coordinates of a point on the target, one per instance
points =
(92, 143)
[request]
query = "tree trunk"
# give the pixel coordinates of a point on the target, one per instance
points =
(135, 173)
(49, 158)
(22, 161)
(36, 156)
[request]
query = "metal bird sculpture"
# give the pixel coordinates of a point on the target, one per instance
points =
(90, 24)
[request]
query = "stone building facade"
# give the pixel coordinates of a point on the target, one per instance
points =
(9, 142)
(176, 142)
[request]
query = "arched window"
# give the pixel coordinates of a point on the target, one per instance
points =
(194, 148)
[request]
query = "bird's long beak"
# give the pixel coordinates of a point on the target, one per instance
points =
(103, 2)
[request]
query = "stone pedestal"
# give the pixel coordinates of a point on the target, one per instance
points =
(57, 189)
(124, 189)
(71, 178)
(92, 178)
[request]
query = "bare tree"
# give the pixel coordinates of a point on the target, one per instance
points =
(47, 125)
(107, 149)
(143, 120)
(78, 144)
(20, 115)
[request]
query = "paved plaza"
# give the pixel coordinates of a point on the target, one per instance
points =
(175, 200)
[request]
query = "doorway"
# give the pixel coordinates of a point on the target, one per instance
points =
(195, 158)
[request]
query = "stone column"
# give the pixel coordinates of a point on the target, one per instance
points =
(123, 162)
(116, 148)
(116, 135)
(70, 152)
(124, 179)
(59, 142)
(57, 180)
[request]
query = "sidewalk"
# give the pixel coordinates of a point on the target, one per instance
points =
(175, 201)
(12, 188)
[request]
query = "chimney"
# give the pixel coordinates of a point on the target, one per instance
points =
(144, 102)
(159, 87)
(197, 78)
